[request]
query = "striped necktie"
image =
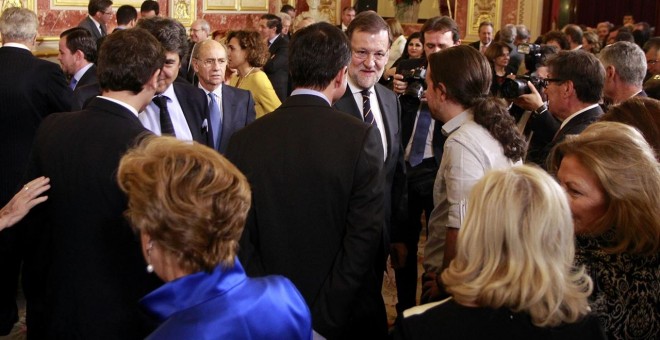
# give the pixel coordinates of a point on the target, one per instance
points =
(366, 108)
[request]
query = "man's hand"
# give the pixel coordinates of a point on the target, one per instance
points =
(531, 101)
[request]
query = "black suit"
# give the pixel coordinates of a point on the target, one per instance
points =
(196, 110)
(82, 95)
(476, 45)
(574, 126)
(89, 25)
(317, 211)
(277, 67)
(420, 200)
(394, 167)
(88, 78)
(87, 261)
(30, 89)
(238, 112)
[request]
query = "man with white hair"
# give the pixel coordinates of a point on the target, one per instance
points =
(625, 68)
(30, 90)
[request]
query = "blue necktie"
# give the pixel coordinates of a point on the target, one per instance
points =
(73, 83)
(216, 120)
(419, 137)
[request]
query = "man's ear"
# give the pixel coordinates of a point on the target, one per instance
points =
(153, 81)
(79, 55)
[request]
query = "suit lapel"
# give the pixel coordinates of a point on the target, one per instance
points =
(347, 104)
(228, 120)
(389, 112)
(188, 112)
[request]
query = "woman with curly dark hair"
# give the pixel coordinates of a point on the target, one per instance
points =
(247, 53)
(481, 136)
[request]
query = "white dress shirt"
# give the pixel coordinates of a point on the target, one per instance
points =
(375, 110)
(150, 117)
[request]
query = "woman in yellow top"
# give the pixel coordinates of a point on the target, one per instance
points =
(247, 52)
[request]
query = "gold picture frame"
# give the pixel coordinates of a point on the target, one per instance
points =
(83, 3)
(479, 11)
(220, 5)
(185, 11)
(29, 4)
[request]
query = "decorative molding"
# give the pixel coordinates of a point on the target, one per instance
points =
(220, 5)
(530, 13)
(185, 11)
(67, 4)
(480, 11)
(29, 4)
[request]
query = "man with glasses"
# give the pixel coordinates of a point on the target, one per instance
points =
(625, 68)
(100, 13)
(652, 50)
(230, 108)
(574, 87)
(178, 109)
(369, 101)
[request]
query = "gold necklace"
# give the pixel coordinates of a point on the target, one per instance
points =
(240, 78)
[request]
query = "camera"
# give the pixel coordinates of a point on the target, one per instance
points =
(530, 49)
(514, 88)
(416, 79)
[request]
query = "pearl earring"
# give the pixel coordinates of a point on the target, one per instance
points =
(150, 267)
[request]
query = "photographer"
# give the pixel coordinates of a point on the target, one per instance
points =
(530, 109)
(423, 142)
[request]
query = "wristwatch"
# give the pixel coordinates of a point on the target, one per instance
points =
(540, 110)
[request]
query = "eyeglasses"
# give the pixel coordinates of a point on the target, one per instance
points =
(211, 62)
(363, 55)
(652, 61)
(195, 30)
(546, 81)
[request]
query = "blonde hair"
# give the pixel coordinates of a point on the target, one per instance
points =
(630, 175)
(516, 249)
(188, 198)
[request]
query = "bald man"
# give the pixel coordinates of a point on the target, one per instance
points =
(230, 108)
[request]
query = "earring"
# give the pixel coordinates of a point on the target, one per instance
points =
(150, 267)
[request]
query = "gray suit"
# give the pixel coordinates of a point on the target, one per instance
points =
(238, 109)
(89, 25)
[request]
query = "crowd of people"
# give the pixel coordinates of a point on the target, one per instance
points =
(255, 184)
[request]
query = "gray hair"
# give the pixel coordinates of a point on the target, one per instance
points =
(522, 33)
(284, 17)
(204, 25)
(18, 24)
(508, 33)
(628, 59)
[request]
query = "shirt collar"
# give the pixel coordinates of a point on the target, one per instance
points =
(355, 89)
(270, 42)
(17, 45)
(217, 91)
(456, 122)
(310, 92)
(128, 107)
(575, 114)
(82, 71)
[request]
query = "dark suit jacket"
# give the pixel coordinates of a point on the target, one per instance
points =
(82, 95)
(89, 25)
(196, 110)
(394, 167)
(277, 67)
(317, 211)
(30, 90)
(238, 112)
(90, 265)
(476, 45)
(88, 78)
(576, 125)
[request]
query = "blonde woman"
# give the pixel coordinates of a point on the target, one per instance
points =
(513, 275)
(612, 180)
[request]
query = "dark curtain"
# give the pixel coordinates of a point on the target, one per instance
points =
(591, 12)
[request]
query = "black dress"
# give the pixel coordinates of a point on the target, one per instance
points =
(626, 294)
(450, 320)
